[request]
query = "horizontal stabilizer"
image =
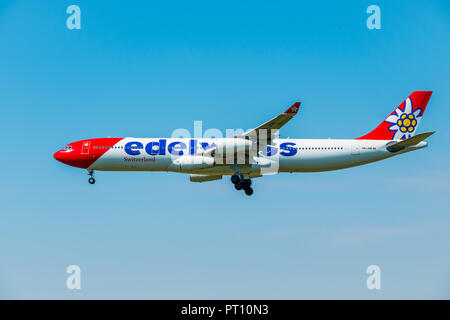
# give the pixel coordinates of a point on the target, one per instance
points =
(397, 146)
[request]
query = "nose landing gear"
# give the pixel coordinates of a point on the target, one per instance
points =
(91, 180)
(241, 183)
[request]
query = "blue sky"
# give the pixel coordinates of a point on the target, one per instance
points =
(144, 70)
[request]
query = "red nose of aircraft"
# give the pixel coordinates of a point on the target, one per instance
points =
(77, 154)
(83, 153)
(65, 156)
(58, 156)
(69, 155)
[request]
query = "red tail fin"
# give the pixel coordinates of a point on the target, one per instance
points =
(402, 122)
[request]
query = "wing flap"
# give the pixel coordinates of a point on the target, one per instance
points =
(204, 177)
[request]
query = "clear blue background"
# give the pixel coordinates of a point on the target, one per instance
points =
(143, 70)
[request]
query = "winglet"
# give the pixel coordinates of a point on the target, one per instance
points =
(293, 109)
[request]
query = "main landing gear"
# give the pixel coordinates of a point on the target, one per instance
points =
(91, 180)
(242, 184)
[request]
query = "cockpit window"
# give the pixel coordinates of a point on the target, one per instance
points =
(68, 147)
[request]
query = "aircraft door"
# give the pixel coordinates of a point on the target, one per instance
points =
(85, 147)
(355, 148)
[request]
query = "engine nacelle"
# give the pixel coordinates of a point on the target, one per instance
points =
(192, 163)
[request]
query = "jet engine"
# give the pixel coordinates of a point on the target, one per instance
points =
(192, 162)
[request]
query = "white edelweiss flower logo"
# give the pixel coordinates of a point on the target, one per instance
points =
(404, 122)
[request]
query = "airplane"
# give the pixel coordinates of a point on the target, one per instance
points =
(254, 153)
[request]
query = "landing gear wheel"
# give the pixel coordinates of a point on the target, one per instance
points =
(235, 179)
(246, 183)
(91, 180)
(238, 185)
(248, 191)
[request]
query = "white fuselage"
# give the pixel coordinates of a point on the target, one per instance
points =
(288, 155)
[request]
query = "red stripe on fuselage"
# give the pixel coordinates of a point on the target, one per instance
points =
(84, 153)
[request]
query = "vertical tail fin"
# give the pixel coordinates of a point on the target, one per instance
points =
(403, 121)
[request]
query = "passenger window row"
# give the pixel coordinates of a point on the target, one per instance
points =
(320, 148)
(108, 147)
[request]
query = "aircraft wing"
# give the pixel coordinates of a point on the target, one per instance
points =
(271, 127)
(264, 134)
